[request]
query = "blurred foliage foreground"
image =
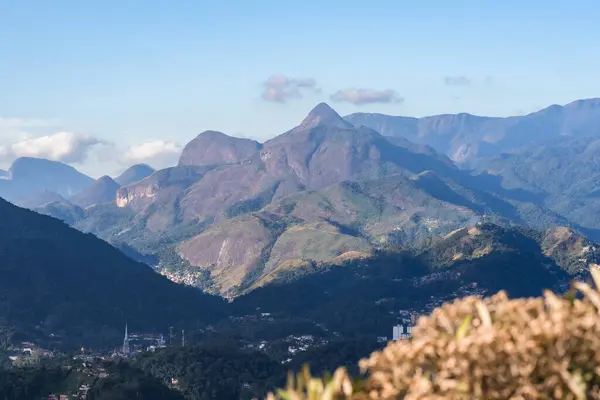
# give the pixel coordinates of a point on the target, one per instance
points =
(493, 348)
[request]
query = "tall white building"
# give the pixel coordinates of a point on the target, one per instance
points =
(404, 331)
(401, 332)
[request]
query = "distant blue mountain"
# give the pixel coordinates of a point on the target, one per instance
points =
(103, 190)
(467, 138)
(29, 176)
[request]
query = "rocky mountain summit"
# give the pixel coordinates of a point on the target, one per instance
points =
(212, 148)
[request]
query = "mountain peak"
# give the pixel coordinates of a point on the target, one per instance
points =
(106, 178)
(103, 190)
(29, 175)
(323, 114)
(212, 148)
(324, 110)
(134, 173)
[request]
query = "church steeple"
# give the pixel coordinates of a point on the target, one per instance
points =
(126, 341)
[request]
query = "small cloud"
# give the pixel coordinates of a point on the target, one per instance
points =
(366, 96)
(280, 88)
(158, 153)
(457, 81)
(66, 147)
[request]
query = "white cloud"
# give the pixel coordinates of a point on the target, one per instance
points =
(66, 147)
(158, 153)
(280, 88)
(20, 137)
(366, 96)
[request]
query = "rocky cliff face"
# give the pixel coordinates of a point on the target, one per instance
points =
(138, 194)
(168, 182)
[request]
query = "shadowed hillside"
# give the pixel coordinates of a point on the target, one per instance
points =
(80, 288)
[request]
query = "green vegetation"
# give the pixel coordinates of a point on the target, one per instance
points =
(129, 382)
(25, 384)
(363, 296)
(219, 371)
(492, 349)
(123, 382)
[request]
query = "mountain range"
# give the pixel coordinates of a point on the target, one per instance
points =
(365, 296)
(467, 138)
(27, 177)
(34, 182)
(565, 174)
(75, 289)
(234, 213)
(367, 225)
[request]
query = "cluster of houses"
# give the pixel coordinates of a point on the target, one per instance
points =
(28, 354)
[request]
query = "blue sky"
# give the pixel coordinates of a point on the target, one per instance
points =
(135, 80)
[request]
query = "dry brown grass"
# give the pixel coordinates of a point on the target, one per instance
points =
(495, 348)
(350, 255)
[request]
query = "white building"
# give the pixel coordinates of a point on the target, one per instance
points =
(400, 332)
(404, 331)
